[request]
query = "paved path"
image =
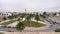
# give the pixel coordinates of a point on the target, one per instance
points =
(7, 20)
(38, 21)
(15, 23)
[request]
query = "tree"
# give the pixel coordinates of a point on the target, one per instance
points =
(20, 26)
(4, 18)
(37, 17)
(44, 13)
(15, 16)
(10, 17)
(57, 30)
(54, 14)
(43, 16)
(28, 17)
(22, 16)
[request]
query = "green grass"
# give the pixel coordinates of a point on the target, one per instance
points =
(32, 24)
(9, 22)
(26, 23)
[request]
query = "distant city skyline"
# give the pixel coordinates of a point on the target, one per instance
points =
(30, 5)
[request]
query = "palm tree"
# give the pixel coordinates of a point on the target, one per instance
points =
(12, 16)
(37, 17)
(20, 26)
(29, 17)
(44, 14)
(4, 18)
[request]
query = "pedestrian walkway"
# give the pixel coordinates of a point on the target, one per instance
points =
(15, 23)
(7, 20)
(38, 21)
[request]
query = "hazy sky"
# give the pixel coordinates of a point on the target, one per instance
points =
(35, 5)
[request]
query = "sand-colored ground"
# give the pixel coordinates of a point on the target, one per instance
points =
(32, 33)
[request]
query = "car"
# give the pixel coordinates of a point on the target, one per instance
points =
(8, 26)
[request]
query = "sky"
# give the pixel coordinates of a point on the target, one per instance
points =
(30, 5)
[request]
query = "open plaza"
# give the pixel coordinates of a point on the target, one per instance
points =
(29, 22)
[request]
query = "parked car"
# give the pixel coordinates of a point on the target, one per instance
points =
(8, 26)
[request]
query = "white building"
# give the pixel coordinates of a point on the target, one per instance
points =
(6, 14)
(57, 14)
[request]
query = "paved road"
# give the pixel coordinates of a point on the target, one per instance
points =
(50, 29)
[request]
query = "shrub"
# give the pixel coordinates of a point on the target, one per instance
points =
(20, 26)
(57, 30)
